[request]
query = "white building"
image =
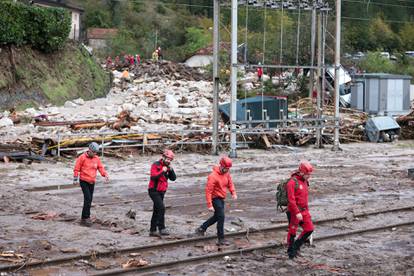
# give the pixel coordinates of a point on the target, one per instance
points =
(74, 11)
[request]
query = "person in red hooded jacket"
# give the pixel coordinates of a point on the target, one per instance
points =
(298, 209)
(161, 171)
(84, 174)
(217, 184)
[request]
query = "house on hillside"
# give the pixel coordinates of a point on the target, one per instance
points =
(75, 12)
(98, 37)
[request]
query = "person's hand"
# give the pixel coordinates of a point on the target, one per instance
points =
(299, 216)
(211, 209)
(234, 196)
(76, 181)
(164, 169)
(107, 179)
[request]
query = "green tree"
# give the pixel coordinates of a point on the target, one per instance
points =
(407, 36)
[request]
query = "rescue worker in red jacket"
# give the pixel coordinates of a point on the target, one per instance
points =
(298, 209)
(217, 184)
(85, 174)
(259, 72)
(161, 171)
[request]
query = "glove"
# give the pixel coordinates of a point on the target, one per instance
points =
(75, 181)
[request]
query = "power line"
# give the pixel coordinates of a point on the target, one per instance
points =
(378, 4)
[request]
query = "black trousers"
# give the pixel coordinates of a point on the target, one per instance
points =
(87, 190)
(218, 204)
(158, 211)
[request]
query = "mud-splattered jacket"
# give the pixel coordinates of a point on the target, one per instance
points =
(297, 198)
(159, 178)
(86, 167)
(217, 185)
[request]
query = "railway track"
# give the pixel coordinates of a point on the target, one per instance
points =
(193, 244)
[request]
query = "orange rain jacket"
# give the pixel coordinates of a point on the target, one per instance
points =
(217, 183)
(86, 168)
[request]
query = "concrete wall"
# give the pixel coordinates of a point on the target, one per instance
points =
(97, 43)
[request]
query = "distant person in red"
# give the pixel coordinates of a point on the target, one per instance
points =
(117, 61)
(109, 63)
(161, 172)
(259, 72)
(138, 59)
(85, 174)
(298, 210)
(160, 56)
(131, 60)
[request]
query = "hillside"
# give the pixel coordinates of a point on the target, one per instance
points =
(32, 78)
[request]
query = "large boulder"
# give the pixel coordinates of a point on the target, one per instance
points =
(171, 101)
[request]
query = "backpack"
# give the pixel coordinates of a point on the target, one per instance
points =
(281, 193)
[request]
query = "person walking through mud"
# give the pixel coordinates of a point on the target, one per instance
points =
(85, 174)
(217, 184)
(297, 210)
(161, 171)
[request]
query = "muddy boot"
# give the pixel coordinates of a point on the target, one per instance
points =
(164, 232)
(222, 242)
(86, 222)
(297, 244)
(200, 231)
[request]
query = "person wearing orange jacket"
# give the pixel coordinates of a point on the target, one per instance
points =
(85, 174)
(298, 210)
(161, 171)
(217, 184)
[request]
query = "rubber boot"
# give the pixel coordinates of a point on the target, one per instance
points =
(291, 241)
(297, 244)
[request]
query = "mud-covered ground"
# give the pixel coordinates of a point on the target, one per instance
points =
(360, 178)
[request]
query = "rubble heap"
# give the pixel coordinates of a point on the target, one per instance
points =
(169, 70)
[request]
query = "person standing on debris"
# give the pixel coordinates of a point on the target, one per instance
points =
(85, 174)
(297, 209)
(160, 56)
(109, 63)
(161, 171)
(138, 59)
(125, 78)
(217, 184)
(259, 72)
(155, 56)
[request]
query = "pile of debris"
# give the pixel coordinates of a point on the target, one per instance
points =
(18, 152)
(192, 141)
(169, 70)
(407, 125)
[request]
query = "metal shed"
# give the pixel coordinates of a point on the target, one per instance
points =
(382, 129)
(381, 93)
(251, 109)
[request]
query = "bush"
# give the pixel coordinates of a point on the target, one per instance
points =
(45, 29)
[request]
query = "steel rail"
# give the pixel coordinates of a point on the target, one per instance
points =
(170, 264)
(100, 254)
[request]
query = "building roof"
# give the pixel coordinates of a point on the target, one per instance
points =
(381, 76)
(101, 33)
(58, 4)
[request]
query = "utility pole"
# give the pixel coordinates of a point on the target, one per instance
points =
(337, 66)
(233, 80)
(323, 86)
(318, 83)
(216, 78)
(313, 38)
